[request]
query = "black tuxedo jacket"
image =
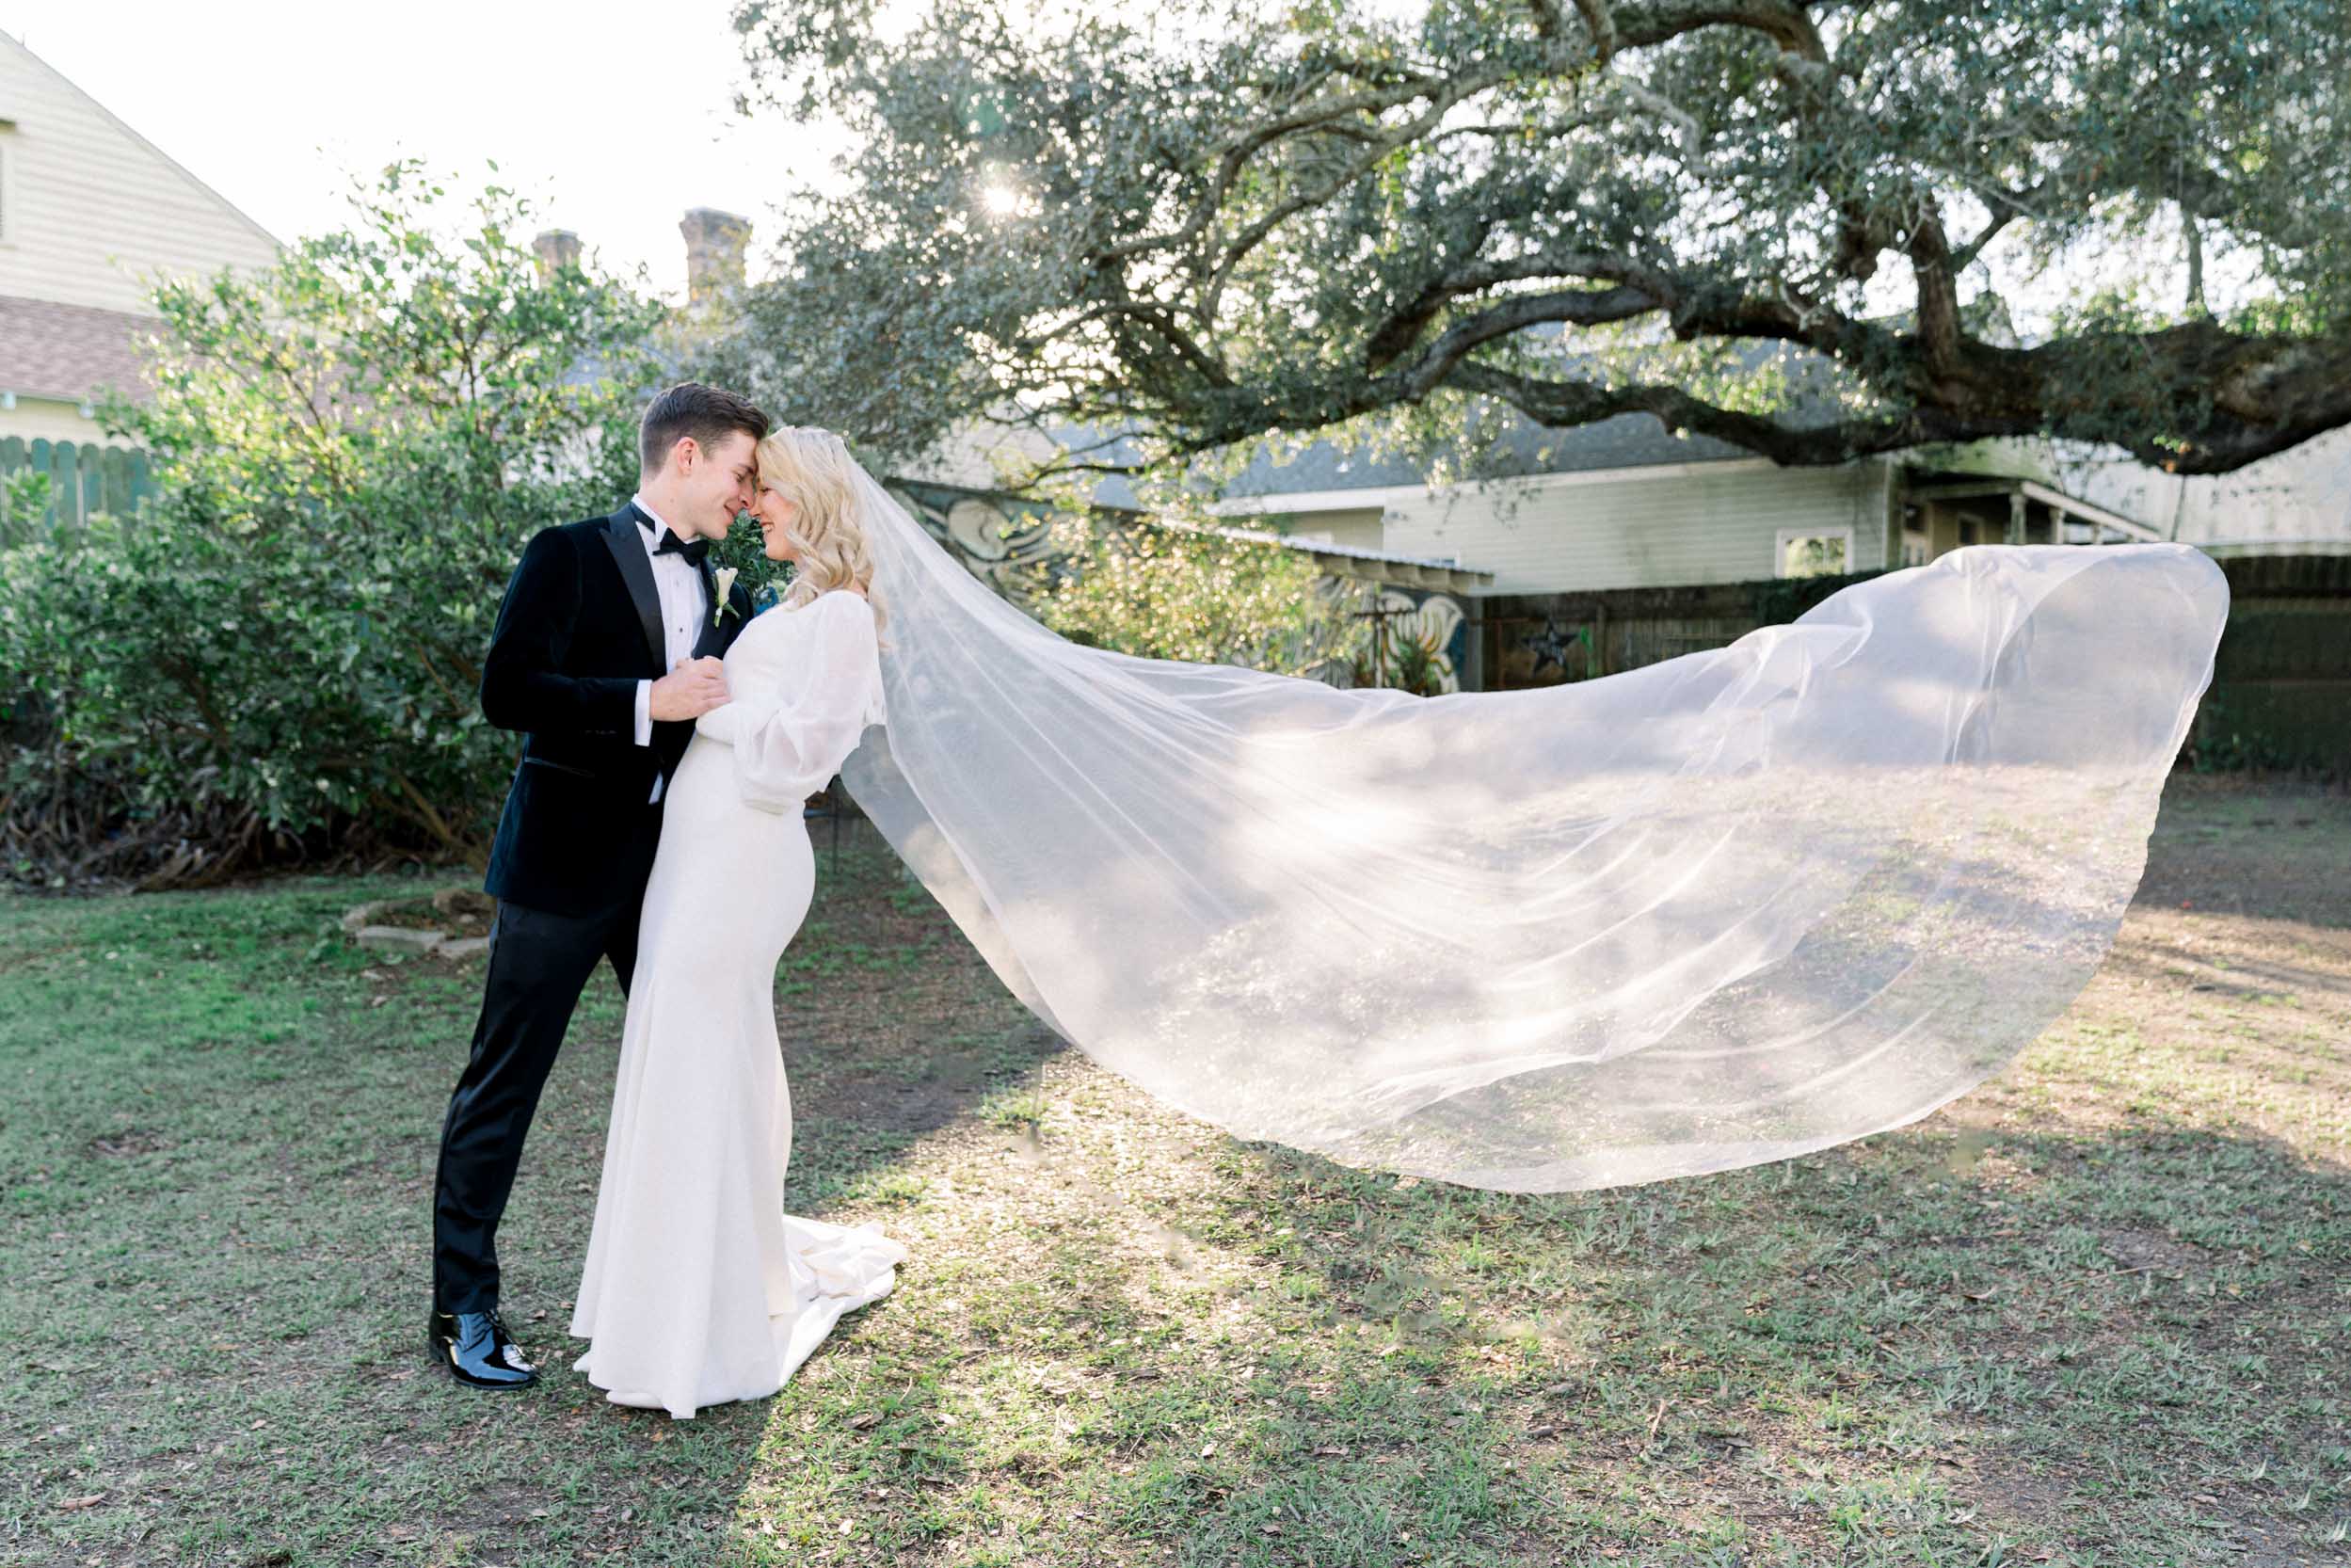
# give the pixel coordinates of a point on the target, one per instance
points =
(580, 625)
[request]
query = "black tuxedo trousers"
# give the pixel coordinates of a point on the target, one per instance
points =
(540, 962)
(580, 625)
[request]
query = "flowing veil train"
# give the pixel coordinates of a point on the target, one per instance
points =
(1724, 909)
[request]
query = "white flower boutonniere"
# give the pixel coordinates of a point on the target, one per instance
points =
(726, 579)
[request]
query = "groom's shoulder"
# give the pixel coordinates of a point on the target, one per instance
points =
(583, 532)
(568, 535)
(585, 529)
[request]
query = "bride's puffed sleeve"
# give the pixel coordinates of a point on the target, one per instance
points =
(786, 750)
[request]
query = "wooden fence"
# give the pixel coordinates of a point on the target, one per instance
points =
(85, 478)
(1543, 639)
(2280, 695)
(2281, 684)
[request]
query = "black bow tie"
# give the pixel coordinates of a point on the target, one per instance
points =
(692, 551)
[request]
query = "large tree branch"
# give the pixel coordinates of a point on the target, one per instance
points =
(1938, 295)
(1576, 403)
(1234, 154)
(2274, 394)
(2268, 394)
(1153, 316)
(1632, 27)
(1642, 26)
(1254, 233)
(1639, 291)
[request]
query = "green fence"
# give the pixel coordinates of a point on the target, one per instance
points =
(2280, 696)
(85, 478)
(2282, 686)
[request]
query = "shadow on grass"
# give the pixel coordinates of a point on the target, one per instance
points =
(2122, 1347)
(2124, 1343)
(1954, 1342)
(216, 1167)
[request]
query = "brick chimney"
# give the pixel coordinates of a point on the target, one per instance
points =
(714, 245)
(556, 248)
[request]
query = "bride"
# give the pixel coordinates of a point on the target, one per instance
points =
(1729, 909)
(698, 1288)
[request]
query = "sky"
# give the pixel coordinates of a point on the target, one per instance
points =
(615, 120)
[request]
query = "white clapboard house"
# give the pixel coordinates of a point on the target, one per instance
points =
(2297, 502)
(91, 212)
(1626, 504)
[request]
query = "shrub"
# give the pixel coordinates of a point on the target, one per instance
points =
(1172, 591)
(280, 653)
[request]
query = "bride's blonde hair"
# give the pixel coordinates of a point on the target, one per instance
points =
(812, 467)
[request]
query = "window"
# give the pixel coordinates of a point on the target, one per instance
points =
(1815, 552)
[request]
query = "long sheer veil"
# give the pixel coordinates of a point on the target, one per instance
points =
(1724, 909)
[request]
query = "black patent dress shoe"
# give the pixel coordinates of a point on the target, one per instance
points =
(477, 1350)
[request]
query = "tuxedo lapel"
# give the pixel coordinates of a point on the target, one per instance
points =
(627, 548)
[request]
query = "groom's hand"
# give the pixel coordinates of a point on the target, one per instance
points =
(687, 691)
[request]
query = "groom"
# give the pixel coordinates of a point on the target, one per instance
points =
(605, 651)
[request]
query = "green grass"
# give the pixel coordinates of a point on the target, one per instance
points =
(2097, 1312)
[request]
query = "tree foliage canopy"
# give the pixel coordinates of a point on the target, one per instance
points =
(2117, 221)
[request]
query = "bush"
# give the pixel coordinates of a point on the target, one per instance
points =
(279, 654)
(1176, 591)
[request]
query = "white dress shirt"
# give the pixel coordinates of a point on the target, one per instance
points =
(685, 602)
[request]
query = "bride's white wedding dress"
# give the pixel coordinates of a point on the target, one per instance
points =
(698, 1288)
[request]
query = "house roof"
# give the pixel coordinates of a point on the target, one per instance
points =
(124, 126)
(1519, 447)
(1374, 566)
(1335, 560)
(68, 352)
(1321, 547)
(1511, 446)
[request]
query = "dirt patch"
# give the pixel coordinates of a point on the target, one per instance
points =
(129, 1143)
(2138, 1251)
(457, 912)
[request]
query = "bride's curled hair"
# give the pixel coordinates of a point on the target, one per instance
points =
(811, 467)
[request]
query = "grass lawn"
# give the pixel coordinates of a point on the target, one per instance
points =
(2097, 1312)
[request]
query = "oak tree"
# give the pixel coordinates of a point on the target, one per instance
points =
(1814, 229)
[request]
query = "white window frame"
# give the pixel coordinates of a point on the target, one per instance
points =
(1780, 545)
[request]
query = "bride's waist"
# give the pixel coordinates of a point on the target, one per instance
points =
(705, 779)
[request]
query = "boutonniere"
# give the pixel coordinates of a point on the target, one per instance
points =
(724, 577)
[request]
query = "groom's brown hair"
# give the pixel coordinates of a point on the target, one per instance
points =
(707, 414)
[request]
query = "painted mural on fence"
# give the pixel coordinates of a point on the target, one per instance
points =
(1413, 639)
